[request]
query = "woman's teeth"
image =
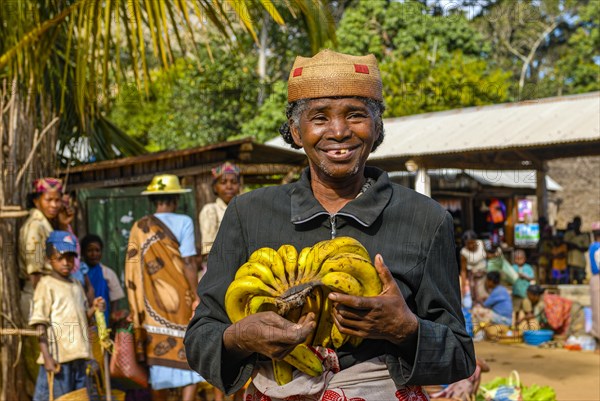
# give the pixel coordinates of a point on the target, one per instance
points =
(339, 151)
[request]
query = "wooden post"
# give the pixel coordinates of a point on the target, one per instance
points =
(541, 190)
(423, 182)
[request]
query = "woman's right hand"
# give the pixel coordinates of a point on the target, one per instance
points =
(268, 334)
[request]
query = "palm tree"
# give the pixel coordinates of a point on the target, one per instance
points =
(60, 60)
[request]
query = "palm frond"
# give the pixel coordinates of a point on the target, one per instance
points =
(70, 51)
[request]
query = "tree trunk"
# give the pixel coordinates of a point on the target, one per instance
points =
(17, 134)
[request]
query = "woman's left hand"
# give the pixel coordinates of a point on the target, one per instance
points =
(99, 304)
(65, 217)
(385, 316)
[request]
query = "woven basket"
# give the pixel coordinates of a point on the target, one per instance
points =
(77, 395)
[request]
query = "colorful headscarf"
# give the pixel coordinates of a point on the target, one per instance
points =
(43, 185)
(225, 168)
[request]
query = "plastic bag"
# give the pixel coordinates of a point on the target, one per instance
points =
(508, 392)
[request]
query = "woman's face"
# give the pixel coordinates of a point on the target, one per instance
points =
(92, 254)
(471, 245)
(49, 203)
(227, 186)
(337, 136)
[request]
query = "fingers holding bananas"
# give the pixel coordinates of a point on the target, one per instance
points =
(385, 316)
(280, 303)
(268, 334)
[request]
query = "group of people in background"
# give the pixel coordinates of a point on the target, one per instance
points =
(561, 254)
(497, 291)
(64, 283)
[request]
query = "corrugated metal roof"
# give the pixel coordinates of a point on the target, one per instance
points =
(559, 120)
(513, 125)
(496, 178)
(511, 179)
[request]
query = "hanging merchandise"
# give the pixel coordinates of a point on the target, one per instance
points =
(497, 212)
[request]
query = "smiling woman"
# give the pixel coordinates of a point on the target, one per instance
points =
(413, 332)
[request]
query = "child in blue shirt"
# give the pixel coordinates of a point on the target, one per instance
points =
(526, 276)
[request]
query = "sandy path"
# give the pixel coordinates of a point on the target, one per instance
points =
(574, 375)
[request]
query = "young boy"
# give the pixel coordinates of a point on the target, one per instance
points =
(103, 279)
(526, 275)
(59, 313)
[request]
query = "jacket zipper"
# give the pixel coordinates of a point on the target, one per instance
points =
(332, 219)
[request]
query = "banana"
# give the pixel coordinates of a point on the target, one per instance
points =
(313, 304)
(270, 258)
(356, 266)
(306, 361)
(300, 269)
(355, 341)
(261, 303)
(322, 335)
(283, 372)
(289, 255)
(239, 293)
(326, 249)
(338, 338)
(342, 282)
(261, 272)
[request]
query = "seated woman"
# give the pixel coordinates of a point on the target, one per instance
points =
(552, 312)
(530, 315)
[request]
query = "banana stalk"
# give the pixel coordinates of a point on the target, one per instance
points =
(294, 284)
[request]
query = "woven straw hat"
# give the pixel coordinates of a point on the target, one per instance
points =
(165, 184)
(332, 74)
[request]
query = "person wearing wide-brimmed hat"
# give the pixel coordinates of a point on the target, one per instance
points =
(413, 332)
(160, 276)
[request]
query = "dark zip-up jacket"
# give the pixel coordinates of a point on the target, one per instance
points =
(413, 233)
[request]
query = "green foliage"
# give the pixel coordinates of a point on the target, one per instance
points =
(190, 108)
(548, 45)
(404, 28)
(429, 61)
(579, 67)
(361, 31)
(413, 85)
(265, 125)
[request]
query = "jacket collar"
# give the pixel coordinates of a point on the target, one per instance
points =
(36, 214)
(221, 203)
(365, 209)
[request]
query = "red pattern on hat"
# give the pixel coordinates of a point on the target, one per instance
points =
(225, 168)
(297, 72)
(42, 185)
(361, 68)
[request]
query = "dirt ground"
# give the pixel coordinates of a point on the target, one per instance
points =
(574, 375)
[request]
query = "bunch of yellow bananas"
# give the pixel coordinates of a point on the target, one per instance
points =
(294, 285)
